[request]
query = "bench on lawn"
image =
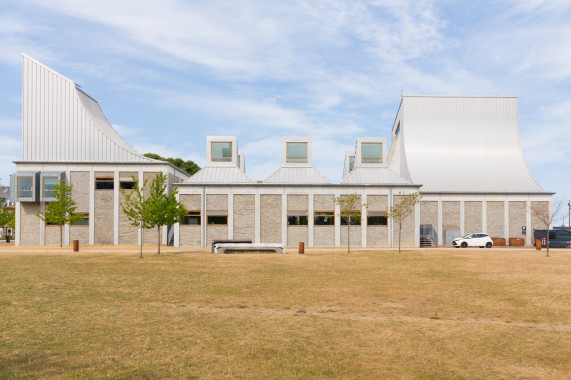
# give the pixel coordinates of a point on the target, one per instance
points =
(214, 242)
(247, 247)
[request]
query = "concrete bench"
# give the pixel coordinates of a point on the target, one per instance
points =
(247, 247)
(233, 241)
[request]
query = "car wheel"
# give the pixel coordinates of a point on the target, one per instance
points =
(489, 244)
(464, 244)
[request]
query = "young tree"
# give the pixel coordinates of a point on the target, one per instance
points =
(351, 207)
(137, 209)
(164, 208)
(7, 217)
(403, 209)
(546, 217)
(61, 211)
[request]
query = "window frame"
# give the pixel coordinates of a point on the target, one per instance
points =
(101, 180)
(193, 213)
(300, 214)
(372, 160)
(85, 216)
(216, 213)
(329, 214)
(385, 215)
(297, 159)
(360, 220)
(18, 186)
(221, 159)
(126, 180)
(42, 187)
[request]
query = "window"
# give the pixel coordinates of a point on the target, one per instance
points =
(297, 218)
(82, 222)
(377, 218)
(25, 187)
(193, 218)
(104, 183)
(351, 162)
(371, 152)
(126, 183)
(354, 222)
(324, 218)
(221, 152)
(296, 152)
(217, 217)
(48, 184)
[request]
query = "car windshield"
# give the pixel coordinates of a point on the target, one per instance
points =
(467, 236)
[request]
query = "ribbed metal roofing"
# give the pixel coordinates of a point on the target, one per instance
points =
(227, 175)
(297, 175)
(464, 144)
(380, 176)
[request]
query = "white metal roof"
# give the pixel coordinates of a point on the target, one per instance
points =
(461, 144)
(62, 123)
(297, 175)
(227, 175)
(373, 176)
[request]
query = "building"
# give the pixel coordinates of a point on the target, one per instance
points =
(461, 152)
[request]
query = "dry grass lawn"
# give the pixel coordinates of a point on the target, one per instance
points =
(370, 314)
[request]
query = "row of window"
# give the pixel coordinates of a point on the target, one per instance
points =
(82, 222)
(294, 218)
(108, 183)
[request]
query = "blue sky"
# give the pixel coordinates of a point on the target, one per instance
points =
(168, 73)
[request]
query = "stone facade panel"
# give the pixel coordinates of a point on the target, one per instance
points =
(215, 232)
(324, 202)
(543, 209)
(29, 224)
(472, 217)
(378, 202)
(518, 218)
(323, 236)
(271, 218)
(377, 236)
(296, 234)
(297, 202)
(495, 219)
(80, 191)
(128, 234)
(450, 215)
(407, 235)
(103, 218)
(244, 216)
(355, 235)
(189, 235)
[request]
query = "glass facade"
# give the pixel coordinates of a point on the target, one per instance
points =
(221, 151)
(297, 218)
(193, 218)
(104, 183)
(217, 217)
(82, 222)
(355, 221)
(324, 218)
(25, 187)
(48, 184)
(371, 152)
(377, 218)
(127, 183)
(296, 152)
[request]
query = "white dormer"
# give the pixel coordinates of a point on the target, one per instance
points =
(296, 152)
(222, 151)
(241, 161)
(370, 152)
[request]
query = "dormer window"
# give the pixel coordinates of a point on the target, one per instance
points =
(296, 152)
(351, 162)
(221, 151)
(372, 152)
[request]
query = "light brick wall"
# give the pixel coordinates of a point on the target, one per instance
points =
(297, 202)
(150, 236)
(355, 232)
(80, 233)
(80, 191)
(103, 218)
(495, 219)
(472, 217)
(128, 234)
(190, 235)
(216, 202)
(295, 234)
(518, 218)
(215, 232)
(429, 213)
(244, 216)
(52, 235)
(378, 202)
(541, 207)
(407, 236)
(270, 218)
(323, 236)
(29, 224)
(377, 236)
(450, 215)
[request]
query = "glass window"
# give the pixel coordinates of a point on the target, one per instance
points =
(104, 183)
(127, 183)
(324, 218)
(297, 218)
(217, 217)
(377, 218)
(371, 152)
(25, 187)
(351, 162)
(82, 222)
(48, 184)
(296, 152)
(356, 221)
(193, 218)
(221, 151)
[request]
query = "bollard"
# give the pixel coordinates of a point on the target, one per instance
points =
(301, 247)
(75, 245)
(538, 244)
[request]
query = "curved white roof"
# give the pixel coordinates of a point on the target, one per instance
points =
(62, 123)
(463, 144)
(373, 176)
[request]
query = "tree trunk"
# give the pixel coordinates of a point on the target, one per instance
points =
(348, 235)
(547, 243)
(400, 229)
(141, 255)
(159, 243)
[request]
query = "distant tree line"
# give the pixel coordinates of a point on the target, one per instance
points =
(188, 166)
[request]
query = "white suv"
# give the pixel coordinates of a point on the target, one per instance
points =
(473, 240)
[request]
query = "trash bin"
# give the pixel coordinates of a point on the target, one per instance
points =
(301, 247)
(538, 244)
(75, 245)
(7, 239)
